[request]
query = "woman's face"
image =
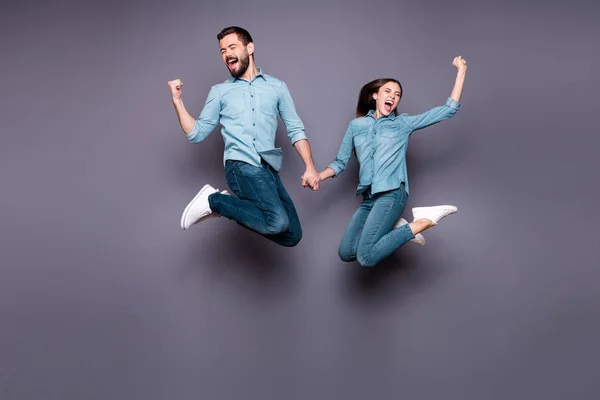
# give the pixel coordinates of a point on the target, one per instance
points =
(387, 98)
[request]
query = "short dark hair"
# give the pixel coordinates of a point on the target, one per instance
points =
(242, 34)
(366, 102)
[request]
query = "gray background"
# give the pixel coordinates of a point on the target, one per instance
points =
(103, 296)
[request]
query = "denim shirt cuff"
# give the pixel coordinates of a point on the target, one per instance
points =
(192, 135)
(298, 136)
(452, 103)
(336, 170)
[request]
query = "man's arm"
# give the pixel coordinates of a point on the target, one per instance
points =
(196, 130)
(295, 131)
(311, 176)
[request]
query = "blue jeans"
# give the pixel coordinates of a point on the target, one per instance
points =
(262, 203)
(369, 237)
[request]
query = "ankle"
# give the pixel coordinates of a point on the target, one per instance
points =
(427, 222)
(421, 224)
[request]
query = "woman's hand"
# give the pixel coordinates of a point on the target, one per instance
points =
(460, 64)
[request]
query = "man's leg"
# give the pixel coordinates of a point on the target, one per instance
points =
(257, 205)
(291, 237)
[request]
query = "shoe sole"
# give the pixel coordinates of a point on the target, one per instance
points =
(187, 208)
(452, 209)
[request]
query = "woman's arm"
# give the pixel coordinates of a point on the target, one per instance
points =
(341, 160)
(461, 65)
(440, 113)
(326, 174)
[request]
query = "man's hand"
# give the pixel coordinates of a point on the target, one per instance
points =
(311, 179)
(175, 88)
(460, 63)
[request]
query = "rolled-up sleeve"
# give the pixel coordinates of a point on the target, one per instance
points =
(343, 156)
(208, 119)
(289, 116)
(433, 116)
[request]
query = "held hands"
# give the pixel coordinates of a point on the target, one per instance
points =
(175, 88)
(311, 179)
(460, 64)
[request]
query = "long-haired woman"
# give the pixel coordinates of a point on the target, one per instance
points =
(379, 138)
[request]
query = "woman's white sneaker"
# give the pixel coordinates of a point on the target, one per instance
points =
(434, 214)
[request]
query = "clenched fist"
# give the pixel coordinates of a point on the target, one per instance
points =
(460, 63)
(175, 88)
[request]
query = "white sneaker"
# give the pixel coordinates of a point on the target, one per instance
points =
(418, 239)
(434, 214)
(198, 209)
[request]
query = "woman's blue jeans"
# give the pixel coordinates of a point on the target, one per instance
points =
(369, 237)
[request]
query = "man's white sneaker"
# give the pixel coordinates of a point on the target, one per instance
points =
(434, 214)
(418, 239)
(198, 209)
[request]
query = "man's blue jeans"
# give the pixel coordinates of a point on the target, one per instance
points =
(262, 203)
(369, 237)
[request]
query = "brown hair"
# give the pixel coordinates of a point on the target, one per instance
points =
(366, 102)
(242, 34)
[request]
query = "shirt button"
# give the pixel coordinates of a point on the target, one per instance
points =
(253, 109)
(253, 124)
(251, 95)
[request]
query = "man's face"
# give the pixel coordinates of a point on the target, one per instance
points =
(235, 55)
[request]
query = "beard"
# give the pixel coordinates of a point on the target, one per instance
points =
(241, 67)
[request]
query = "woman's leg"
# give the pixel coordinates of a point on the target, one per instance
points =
(349, 244)
(378, 239)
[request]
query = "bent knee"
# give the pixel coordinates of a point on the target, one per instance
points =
(346, 254)
(296, 237)
(293, 240)
(364, 259)
(277, 224)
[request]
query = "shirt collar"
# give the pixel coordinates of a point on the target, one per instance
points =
(260, 73)
(371, 114)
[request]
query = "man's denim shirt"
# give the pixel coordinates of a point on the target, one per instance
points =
(247, 112)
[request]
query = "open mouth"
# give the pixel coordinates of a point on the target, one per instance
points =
(232, 63)
(389, 104)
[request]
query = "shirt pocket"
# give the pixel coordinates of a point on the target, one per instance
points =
(361, 140)
(267, 103)
(234, 103)
(390, 133)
